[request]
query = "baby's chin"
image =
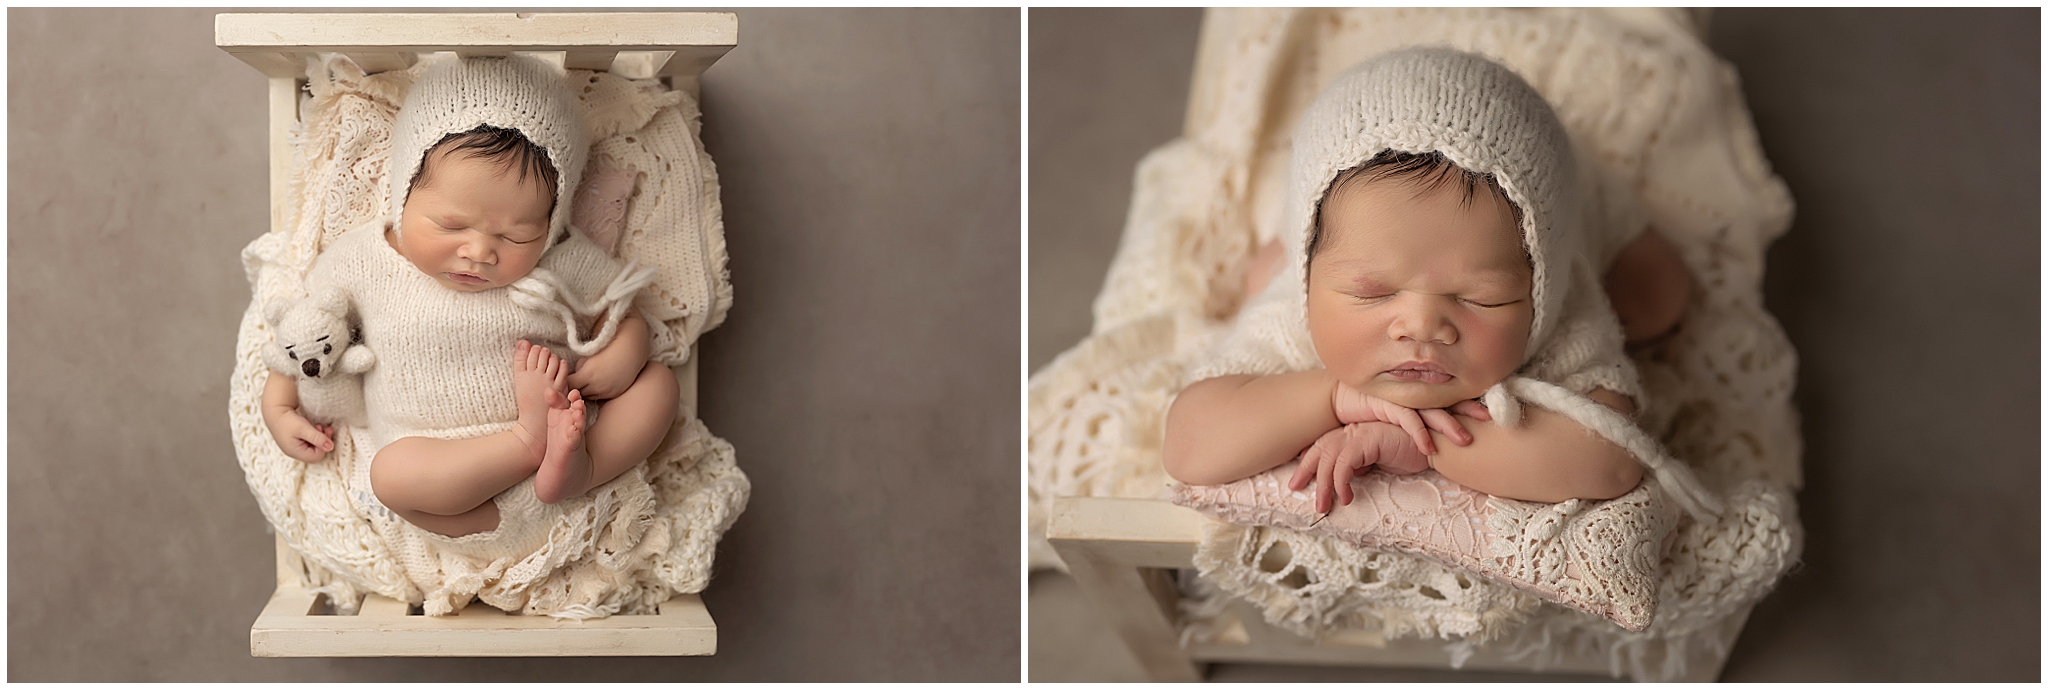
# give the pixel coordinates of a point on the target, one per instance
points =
(1419, 396)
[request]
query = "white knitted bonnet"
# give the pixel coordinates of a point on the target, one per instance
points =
(1484, 119)
(520, 93)
(1476, 113)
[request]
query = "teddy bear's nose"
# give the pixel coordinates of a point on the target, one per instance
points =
(311, 367)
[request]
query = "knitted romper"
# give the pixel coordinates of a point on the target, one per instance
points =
(444, 358)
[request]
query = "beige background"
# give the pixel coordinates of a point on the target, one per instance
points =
(1909, 283)
(867, 373)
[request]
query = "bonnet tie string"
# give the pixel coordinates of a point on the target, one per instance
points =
(1503, 402)
(541, 290)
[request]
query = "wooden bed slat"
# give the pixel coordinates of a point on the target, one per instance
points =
(641, 64)
(288, 627)
(589, 59)
(380, 606)
(696, 39)
(372, 63)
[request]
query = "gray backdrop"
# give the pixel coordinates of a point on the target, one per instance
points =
(867, 373)
(1910, 284)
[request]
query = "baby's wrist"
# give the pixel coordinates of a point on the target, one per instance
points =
(1350, 405)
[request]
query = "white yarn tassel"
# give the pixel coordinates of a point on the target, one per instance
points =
(541, 290)
(1672, 476)
(1506, 411)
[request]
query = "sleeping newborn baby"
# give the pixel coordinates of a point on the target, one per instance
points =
(1434, 281)
(465, 291)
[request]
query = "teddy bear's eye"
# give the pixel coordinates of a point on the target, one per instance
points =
(291, 354)
(326, 349)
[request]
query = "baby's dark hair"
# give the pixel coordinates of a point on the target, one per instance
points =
(507, 146)
(1429, 171)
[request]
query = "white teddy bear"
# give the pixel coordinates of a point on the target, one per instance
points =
(312, 342)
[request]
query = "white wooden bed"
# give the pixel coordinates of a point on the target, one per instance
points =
(674, 46)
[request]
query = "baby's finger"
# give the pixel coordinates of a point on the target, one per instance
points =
(1474, 409)
(1412, 423)
(1305, 469)
(1326, 485)
(1312, 459)
(302, 449)
(1447, 425)
(1347, 467)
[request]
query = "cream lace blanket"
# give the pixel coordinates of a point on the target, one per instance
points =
(1661, 121)
(627, 547)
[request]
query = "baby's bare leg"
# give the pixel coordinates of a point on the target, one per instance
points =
(422, 479)
(483, 519)
(633, 423)
(625, 434)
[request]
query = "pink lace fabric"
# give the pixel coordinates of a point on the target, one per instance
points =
(1600, 557)
(600, 210)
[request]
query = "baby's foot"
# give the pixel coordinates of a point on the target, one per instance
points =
(538, 377)
(566, 471)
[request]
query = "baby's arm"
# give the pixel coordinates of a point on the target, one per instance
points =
(1649, 286)
(612, 370)
(294, 434)
(1227, 428)
(1548, 459)
(1231, 427)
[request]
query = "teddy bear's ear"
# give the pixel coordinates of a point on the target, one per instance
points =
(273, 310)
(331, 300)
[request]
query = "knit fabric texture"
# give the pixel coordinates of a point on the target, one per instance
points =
(1661, 137)
(1477, 114)
(626, 546)
(455, 95)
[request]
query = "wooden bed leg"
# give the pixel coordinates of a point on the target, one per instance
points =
(1139, 603)
(1121, 552)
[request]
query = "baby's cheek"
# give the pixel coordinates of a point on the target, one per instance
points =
(1499, 345)
(1344, 345)
(518, 265)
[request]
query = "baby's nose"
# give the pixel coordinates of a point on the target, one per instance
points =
(311, 367)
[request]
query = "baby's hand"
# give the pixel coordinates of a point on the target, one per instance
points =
(1349, 451)
(1355, 407)
(302, 439)
(603, 378)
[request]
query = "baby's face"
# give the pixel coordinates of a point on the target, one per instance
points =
(475, 225)
(1416, 296)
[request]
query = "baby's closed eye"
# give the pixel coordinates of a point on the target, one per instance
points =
(1489, 303)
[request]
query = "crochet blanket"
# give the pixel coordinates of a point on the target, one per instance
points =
(626, 547)
(1659, 119)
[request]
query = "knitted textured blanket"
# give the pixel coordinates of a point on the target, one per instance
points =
(1656, 119)
(625, 547)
